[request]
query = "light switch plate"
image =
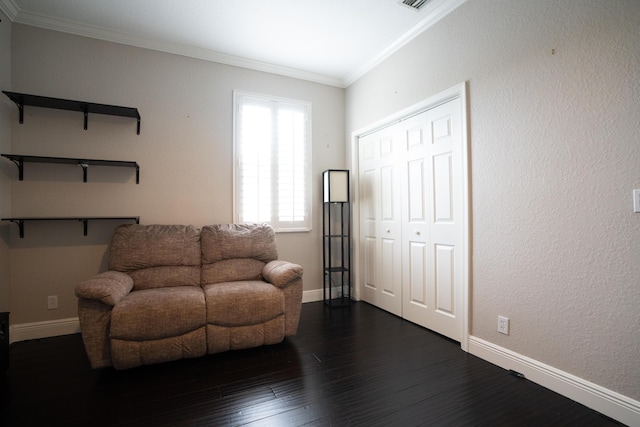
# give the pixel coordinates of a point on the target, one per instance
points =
(636, 201)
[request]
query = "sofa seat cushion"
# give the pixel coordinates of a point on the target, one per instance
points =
(154, 314)
(127, 354)
(230, 270)
(165, 276)
(221, 338)
(243, 303)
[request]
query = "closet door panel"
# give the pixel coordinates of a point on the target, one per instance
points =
(417, 298)
(368, 184)
(446, 278)
(417, 278)
(389, 264)
(411, 212)
(380, 222)
(443, 188)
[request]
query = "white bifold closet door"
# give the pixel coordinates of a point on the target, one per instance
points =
(411, 219)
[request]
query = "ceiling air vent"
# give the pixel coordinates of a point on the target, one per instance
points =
(414, 4)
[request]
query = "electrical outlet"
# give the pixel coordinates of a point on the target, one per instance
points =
(503, 325)
(636, 201)
(52, 302)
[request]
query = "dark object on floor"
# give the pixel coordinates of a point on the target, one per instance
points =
(4, 342)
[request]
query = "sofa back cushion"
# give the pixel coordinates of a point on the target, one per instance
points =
(232, 252)
(157, 256)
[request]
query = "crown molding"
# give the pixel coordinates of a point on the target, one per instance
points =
(435, 15)
(438, 12)
(9, 8)
(75, 28)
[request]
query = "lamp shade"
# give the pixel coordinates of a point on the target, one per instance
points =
(336, 185)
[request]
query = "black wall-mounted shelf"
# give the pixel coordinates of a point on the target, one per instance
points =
(20, 221)
(19, 161)
(22, 99)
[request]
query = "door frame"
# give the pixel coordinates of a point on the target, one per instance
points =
(459, 91)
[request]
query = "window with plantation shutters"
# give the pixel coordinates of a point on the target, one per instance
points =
(272, 150)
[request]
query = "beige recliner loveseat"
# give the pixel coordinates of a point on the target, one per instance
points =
(176, 291)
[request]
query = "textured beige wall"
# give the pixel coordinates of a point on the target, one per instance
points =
(184, 150)
(5, 144)
(554, 89)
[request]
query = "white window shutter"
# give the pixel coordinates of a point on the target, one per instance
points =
(272, 144)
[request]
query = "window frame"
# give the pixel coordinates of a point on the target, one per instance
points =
(284, 226)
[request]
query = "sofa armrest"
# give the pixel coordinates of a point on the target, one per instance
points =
(281, 273)
(108, 287)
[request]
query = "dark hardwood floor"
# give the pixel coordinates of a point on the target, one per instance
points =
(347, 366)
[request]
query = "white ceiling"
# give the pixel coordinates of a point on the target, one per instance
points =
(327, 41)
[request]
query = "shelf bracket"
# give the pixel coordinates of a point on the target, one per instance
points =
(20, 164)
(20, 224)
(85, 222)
(84, 167)
(138, 126)
(137, 174)
(85, 110)
(20, 110)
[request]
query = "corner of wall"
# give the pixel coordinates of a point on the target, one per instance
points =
(5, 145)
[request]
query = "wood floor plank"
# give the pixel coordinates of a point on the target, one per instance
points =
(348, 366)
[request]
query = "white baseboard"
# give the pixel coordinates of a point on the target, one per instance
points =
(46, 329)
(605, 401)
(312, 296)
(316, 295)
